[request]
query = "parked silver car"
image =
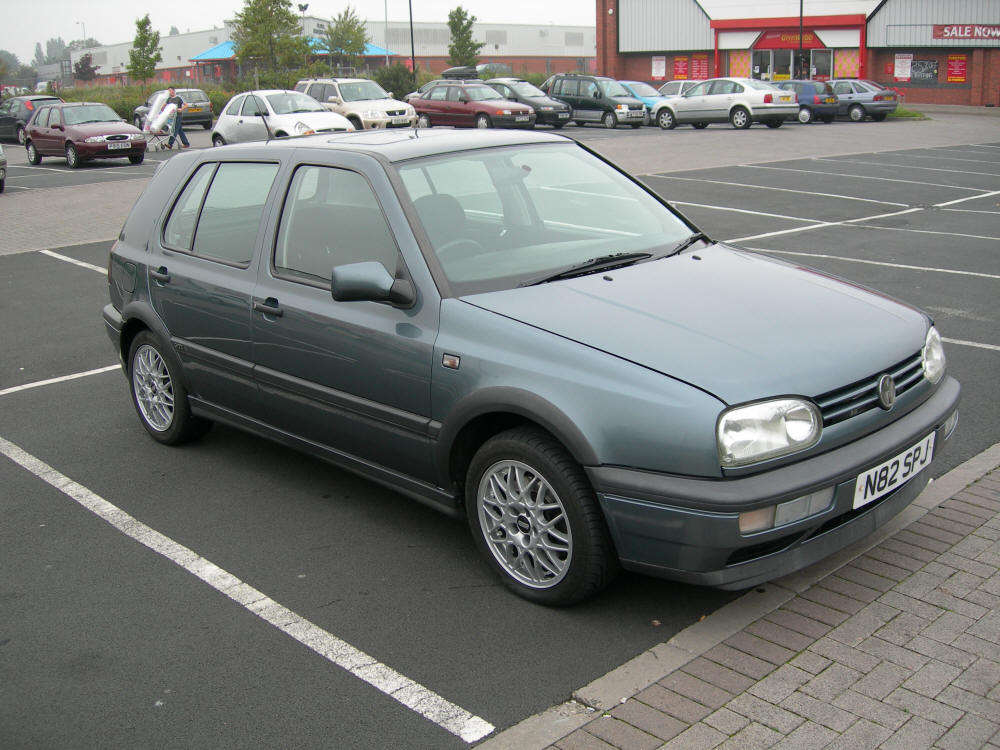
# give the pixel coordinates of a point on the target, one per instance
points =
(741, 101)
(273, 113)
(861, 98)
(366, 104)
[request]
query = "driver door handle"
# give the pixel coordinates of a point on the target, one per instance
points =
(161, 275)
(269, 306)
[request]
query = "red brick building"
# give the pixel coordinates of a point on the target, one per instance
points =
(933, 51)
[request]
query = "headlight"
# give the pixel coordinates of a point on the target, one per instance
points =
(622, 107)
(751, 433)
(410, 112)
(503, 111)
(932, 356)
(95, 139)
(138, 136)
(302, 129)
(546, 109)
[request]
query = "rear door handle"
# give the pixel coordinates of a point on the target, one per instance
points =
(161, 275)
(269, 306)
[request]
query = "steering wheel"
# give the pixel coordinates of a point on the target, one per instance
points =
(452, 247)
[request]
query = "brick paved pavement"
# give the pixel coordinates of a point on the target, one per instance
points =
(897, 648)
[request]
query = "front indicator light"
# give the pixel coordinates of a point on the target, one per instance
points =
(783, 514)
(768, 429)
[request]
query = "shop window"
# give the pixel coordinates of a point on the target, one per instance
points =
(821, 65)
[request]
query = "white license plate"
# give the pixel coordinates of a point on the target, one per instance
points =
(886, 477)
(113, 145)
(564, 115)
(400, 120)
(522, 118)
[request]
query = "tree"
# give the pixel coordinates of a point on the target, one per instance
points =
(396, 78)
(462, 50)
(39, 58)
(174, 31)
(84, 69)
(10, 60)
(55, 50)
(346, 37)
(266, 35)
(88, 43)
(145, 52)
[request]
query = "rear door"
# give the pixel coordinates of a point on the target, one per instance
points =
(202, 271)
(846, 94)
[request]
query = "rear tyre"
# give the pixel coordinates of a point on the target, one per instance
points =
(72, 156)
(740, 118)
(2, 185)
(33, 156)
(536, 520)
(158, 395)
(699, 125)
(483, 121)
(218, 140)
(805, 115)
(775, 123)
(558, 125)
(879, 117)
(856, 113)
(827, 119)
(22, 135)
(610, 120)
(665, 119)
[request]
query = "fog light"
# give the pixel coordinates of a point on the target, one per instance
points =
(950, 424)
(773, 516)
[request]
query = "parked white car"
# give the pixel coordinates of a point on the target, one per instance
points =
(274, 113)
(366, 104)
(740, 101)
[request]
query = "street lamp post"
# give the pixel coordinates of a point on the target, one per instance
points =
(799, 73)
(82, 25)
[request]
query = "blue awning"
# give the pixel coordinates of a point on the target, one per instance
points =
(223, 51)
(371, 50)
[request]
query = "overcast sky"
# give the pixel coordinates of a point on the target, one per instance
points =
(34, 21)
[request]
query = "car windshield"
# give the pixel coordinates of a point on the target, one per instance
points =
(481, 93)
(644, 89)
(525, 88)
(288, 102)
(613, 88)
(361, 91)
(505, 217)
(89, 113)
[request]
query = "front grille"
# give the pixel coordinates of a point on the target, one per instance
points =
(116, 137)
(396, 112)
(859, 397)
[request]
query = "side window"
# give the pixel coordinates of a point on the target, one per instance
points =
(454, 93)
(179, 230)
(253, 106)
(438, 93)
(842, 87)
(331, 217)
(860, 88)
(42, 118)
(672, 88)
(589, 89)
(700, 90)
(232, 210)
(234, 107)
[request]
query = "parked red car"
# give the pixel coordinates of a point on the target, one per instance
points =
(80, 131)
(470, 104)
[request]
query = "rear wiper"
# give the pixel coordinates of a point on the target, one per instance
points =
(684, 244)
(601, 263)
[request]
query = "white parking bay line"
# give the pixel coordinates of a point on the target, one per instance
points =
(976, 344)
(61, 379)
(875, 262)
(74, 261)
(414, 696)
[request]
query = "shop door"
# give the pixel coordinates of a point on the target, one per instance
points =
(760, 67)
(821, 67)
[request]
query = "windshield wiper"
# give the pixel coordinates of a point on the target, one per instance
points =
(601, 263)
(684, 244)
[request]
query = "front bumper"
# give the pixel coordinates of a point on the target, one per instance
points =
(512, 121)
(552, 117)
(101, 150)
(687, 529)
(388, 122)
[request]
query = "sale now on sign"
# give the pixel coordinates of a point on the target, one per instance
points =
(966, 31)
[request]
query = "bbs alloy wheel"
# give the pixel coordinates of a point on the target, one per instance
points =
(534, 516)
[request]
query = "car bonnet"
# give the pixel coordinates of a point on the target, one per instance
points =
(736, 324)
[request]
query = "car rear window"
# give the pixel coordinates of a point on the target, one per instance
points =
(194, 95)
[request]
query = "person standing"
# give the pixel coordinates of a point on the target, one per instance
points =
(177, 124)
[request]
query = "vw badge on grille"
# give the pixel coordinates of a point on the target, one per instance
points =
(886, 392)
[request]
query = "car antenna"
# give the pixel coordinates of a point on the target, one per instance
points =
(263, 116)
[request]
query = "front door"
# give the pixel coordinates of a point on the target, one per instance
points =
(250, 125)
(352, 376)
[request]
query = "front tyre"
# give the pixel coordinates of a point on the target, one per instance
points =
(158, 395)
(610, 120)
(34, 158)
(665, 119)
(483, 121)
(535, 518)
(72, 156)
(218, 140)
(137, 158)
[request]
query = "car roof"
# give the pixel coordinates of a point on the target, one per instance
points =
(507, 80)
(403, 144)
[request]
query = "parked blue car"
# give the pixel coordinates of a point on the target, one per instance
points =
(650, 97)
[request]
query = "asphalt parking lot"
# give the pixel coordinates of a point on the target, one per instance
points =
(104, 643)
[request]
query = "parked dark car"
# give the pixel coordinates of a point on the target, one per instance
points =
(548, 111)
(504, 325)
(860, 98)
(816, 99)
(81, 131)
(465, 103)
(3, 169)
(17, 111)
(596, 99)
(199, 111)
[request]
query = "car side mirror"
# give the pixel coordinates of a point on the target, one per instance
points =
(335, 100)
(597, 94)
(368, 281)
(463, 97)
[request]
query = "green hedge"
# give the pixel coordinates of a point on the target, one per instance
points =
(124, 99)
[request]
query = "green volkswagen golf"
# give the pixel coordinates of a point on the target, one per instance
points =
(507, 327)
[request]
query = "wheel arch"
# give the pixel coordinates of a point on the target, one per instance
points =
(491, 411)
